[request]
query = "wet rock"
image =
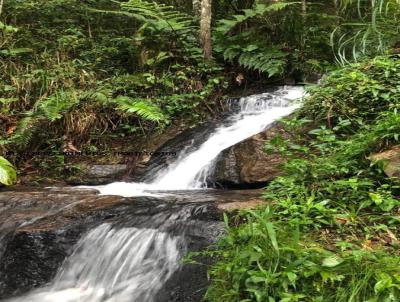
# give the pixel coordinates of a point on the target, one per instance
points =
(189, 284)
(104, 171)
(32, 259)
(235, 205)
(186, 141)
(246, 164)
(391, 160)
(48, 223)
(99, 174)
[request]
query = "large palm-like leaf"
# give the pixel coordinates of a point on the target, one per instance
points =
(371, 27)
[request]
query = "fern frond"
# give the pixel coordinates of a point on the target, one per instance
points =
(164, 22)
(160, 16)
(271, 61)
(24, 131)
(57, 104)
(231, 53)
(141, 107)
(259, 10)
(51, 109)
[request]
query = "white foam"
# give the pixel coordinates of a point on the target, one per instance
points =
(190, 170)
(114, 265)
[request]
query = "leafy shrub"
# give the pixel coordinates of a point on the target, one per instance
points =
(276, 38)
(263, 260)
(332, 233)
(93, 70)
(358, 93)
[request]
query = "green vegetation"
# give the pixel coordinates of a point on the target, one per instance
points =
(331, 230)
(8, 174)
(370, 28)
(277, 39)
(91, 72)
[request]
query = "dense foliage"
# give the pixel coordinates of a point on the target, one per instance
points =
(331, 231)
(278, 38)
(93, 71)
(50, 68)
(369, 28)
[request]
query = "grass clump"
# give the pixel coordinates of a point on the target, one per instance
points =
(266, 260)
(331, 231)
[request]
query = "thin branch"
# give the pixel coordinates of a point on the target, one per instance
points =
(1, 6)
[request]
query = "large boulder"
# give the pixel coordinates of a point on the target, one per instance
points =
(186, 141)
(246, 164)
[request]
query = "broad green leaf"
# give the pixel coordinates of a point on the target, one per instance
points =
(332, 261)
(8, 175)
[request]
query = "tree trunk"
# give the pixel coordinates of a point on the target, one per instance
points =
(304, 23)
(205, 28)
(1, 6)
(304, 10)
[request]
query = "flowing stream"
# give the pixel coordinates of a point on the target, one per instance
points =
(128, 264)
(190, 170)
(114, 265)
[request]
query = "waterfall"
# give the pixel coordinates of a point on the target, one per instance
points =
(128, 264)
(190, 170)
(114, 265)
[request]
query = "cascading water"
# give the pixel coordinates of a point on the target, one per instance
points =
(114, 265)
(190, 170)
(111, 264)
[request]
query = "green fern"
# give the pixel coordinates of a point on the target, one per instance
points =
(57, 104)
(271, 61)
(267, 60)
(51, 109)
(141, 107)
(244, 47)
(161, 16)
(259, 10)
(165, 24)
(26, 127)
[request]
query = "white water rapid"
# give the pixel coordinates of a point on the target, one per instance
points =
(190, 170)
(114, 265)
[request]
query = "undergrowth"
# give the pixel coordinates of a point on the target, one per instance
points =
(330, 232)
